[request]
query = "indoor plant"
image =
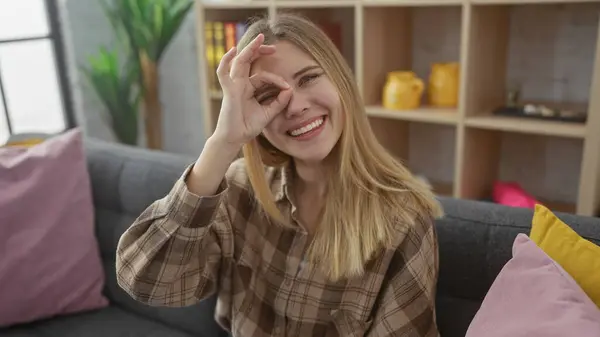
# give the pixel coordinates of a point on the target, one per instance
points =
(116, 86)
(145, 29)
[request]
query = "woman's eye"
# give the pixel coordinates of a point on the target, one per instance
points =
(308, 78)
(266, 98)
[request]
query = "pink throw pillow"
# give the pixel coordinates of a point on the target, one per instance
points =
(49, 258)
(512, 194)
(534, 297)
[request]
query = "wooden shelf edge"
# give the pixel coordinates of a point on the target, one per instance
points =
(411, 3)
(229, 4)
(447, 116)
(291, 4)
(527, 2)
(443, 189)
(215, 94)
(559, 206)
(530, 126)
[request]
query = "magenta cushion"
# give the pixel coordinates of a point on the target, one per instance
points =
(49, 257)
(534, 297)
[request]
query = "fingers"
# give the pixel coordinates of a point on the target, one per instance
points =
(279, 104)
(265, 78)
(263, 50)
(241, 64)
(224, 66)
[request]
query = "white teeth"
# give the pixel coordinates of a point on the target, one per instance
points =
(307, 128)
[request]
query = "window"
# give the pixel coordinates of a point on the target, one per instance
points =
(34, 94)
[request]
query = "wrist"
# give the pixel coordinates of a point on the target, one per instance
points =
(226, 148)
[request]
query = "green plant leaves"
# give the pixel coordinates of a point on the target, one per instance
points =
(142, 27)
(116, 86)
(149, 24)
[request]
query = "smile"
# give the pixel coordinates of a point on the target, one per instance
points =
(307, 129)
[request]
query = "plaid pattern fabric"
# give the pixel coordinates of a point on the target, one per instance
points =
(184, 248)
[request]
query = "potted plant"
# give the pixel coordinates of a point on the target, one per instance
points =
(145, 28)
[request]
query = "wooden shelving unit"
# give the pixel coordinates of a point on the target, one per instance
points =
(555, 56)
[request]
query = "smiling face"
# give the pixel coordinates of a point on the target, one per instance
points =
(311, 124)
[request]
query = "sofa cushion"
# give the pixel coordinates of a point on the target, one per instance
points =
(578, 256)
(110, 321)
(125, 181)
(533, 296)
(475, 242)
(476, 238)
(454, 315)
(50, 261)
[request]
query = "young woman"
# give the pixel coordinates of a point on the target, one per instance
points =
(317, 231)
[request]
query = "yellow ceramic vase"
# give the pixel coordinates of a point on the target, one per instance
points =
(402, 91)
(443, 84)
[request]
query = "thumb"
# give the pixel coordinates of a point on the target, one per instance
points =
(279, 104)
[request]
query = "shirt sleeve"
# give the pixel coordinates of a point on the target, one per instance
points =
(171, 254)
(407, 306)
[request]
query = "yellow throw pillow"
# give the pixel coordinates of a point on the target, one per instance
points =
(578, 256)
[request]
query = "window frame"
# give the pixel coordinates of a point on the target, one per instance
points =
(56, 39)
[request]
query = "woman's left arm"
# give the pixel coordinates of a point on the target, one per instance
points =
(407, 306)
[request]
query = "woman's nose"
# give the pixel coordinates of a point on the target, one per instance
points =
(298, 104)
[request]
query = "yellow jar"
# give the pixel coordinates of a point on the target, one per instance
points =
(403, 90)
(443, 84)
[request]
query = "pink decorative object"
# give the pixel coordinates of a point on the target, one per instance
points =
(49, 258)
(512, 194)
(534, 297)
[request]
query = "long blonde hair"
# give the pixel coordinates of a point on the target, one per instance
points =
(371, 192)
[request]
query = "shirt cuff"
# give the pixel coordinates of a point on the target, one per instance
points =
(193, 211)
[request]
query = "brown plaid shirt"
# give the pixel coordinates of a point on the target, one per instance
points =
(184, 248)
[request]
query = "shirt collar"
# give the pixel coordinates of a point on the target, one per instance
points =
(282, 187)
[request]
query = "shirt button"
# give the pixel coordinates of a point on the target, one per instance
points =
(288, 282)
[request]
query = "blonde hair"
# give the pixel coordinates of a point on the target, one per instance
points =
(371, 192)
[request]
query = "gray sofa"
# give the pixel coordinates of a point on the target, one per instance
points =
(475, 242)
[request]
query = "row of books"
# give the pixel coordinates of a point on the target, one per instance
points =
(220, 36)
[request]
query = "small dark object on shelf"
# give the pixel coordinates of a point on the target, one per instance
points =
(542, 112)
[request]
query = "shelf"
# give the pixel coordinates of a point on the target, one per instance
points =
(447, 116)
(220, 25)
(410, 41)
(216, 94)
(558, 206)
(426, 149)
(234, 4)
(336, 21)
(551, 61)
(443, 189)
(374, 3)
(462, 150)
(546, 167)
(315, 3)
(527, 2)
(529, 126)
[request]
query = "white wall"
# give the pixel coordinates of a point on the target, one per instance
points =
(86, 28)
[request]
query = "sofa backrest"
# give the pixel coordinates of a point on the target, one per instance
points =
(475, 240)
(125, 180)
